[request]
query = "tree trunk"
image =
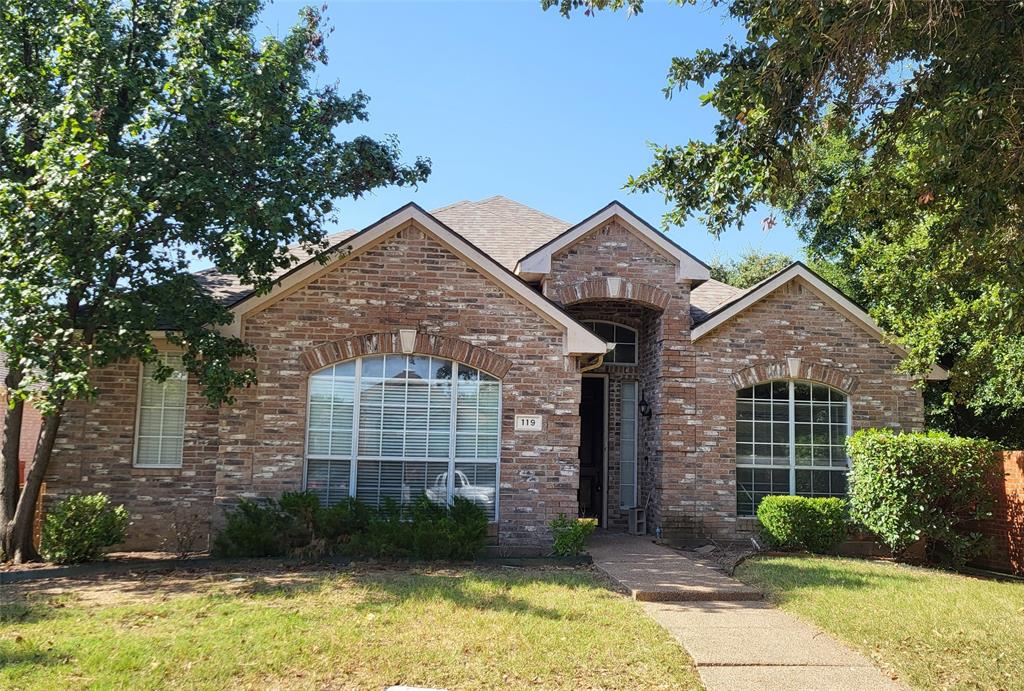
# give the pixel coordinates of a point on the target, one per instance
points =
(9, 459)
(19, 531)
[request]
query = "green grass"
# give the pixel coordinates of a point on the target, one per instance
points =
(464, 629)
(933, 628)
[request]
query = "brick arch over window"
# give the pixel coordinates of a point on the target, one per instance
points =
(405, 341)
(612, 288)
(795, 368)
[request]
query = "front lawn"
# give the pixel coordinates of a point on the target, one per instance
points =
(365, 629)
(935, 629)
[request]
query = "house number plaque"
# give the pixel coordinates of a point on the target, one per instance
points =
(529, 423)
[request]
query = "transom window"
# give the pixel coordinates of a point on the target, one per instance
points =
(398, 426)
(623, 337)
(790, 439)
(160, 423)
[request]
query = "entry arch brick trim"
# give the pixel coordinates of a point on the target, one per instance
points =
(332, 352)
(613, 288)
(795, 368)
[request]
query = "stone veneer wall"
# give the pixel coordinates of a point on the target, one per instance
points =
(256, 446)
(756, 345)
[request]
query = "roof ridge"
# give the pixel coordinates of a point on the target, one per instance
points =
(450, 206)
(525, 206)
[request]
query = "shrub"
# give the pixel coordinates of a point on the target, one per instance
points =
(814, 524)
(256, 530)
(571, 534)
(305, 509)
(187, 529)
(422, 530)
(81, 527)
(906, 487)
(340, 522)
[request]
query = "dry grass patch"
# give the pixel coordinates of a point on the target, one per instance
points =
(454, 628)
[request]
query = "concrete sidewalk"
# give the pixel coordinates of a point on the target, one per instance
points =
(736, 639)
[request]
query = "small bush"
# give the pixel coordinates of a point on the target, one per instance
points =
(81, 527)
(933, 486)
(305, 509)
(814, 524)
(256, 530)
(340, 522)
(187, 529)
(571, 534)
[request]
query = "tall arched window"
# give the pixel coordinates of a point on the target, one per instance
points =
(397, 426)
(790, 439)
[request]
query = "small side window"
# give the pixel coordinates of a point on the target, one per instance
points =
(160, 426)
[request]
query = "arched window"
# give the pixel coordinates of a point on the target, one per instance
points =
(397, 426)
(790, 439)
(623, 337)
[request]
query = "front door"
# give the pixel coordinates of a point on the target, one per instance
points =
(592, 421)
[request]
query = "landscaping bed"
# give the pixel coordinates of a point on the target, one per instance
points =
(363, 627)
(935, 629)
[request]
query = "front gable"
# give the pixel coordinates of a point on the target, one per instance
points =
(411, 222)
(798, 301)
(538, 264)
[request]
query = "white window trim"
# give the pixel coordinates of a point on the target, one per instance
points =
(792, 439)
(138, 420)
(635, 343)
(354, 456)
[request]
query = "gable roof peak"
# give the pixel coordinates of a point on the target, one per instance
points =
(689, 268)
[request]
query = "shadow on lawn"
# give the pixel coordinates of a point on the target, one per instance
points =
(364, 587)
(786, 576)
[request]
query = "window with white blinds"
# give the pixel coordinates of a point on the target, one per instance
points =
(627, 446)
(398, 426)
(160, 424)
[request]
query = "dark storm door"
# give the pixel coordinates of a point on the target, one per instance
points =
(592, 422)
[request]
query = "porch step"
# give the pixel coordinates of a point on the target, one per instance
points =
(652, 573)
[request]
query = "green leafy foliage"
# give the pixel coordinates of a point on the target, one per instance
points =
(817, 525)
(256, 529)
(138, 138)
(891, 137)
(570, 534)
(298, 524)
(80, 528)
(750, 269)
(922, 486)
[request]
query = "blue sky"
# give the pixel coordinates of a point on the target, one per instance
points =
(507, 99)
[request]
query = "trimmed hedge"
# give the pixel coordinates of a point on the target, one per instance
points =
(298, 524)
(922, 486)
(817, 525)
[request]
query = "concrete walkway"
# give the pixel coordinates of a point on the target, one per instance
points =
(736, 639)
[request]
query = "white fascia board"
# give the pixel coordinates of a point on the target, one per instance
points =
(537, 264)
(578, 339)
(842, 303)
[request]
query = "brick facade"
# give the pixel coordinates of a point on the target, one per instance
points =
(1005, 530)
(256, 446)
(793, 323)
(410, 285)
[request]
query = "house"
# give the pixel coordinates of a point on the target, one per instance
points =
(491, 351)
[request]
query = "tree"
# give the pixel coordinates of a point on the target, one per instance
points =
(894, 132)
(136, 136)
(750, 269)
